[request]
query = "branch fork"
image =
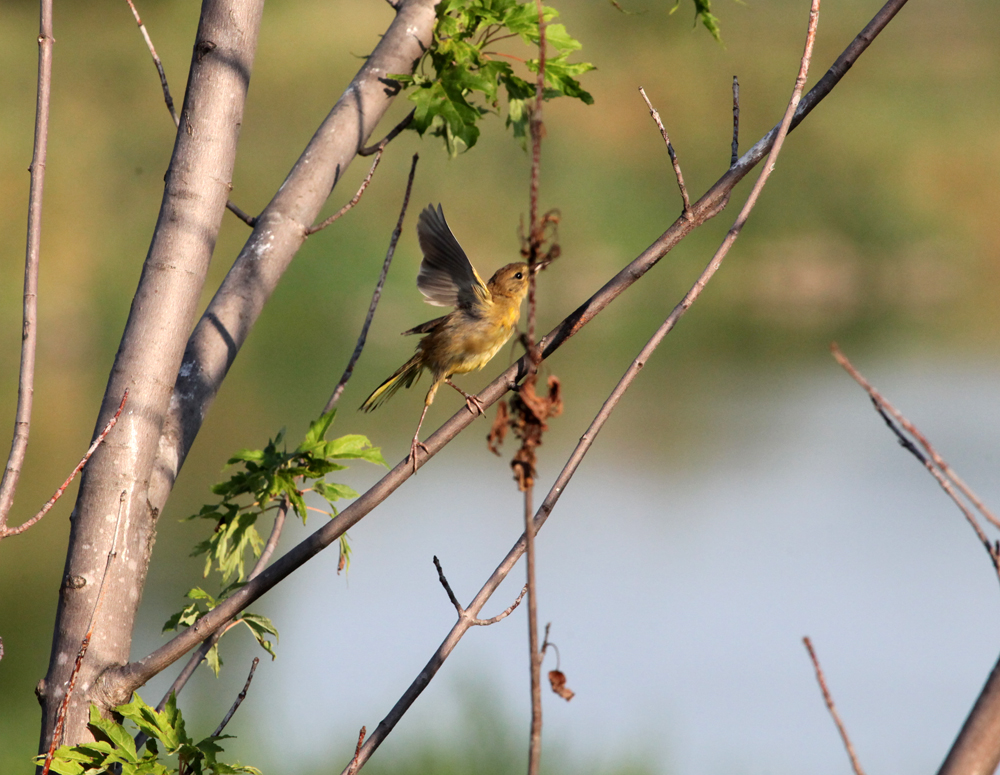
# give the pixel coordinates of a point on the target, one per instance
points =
(463, 614)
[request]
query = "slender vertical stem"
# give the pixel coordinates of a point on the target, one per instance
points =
(535, 747)
(534, 358)
(29, 330)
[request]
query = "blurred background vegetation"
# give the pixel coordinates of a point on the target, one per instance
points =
(876, 231)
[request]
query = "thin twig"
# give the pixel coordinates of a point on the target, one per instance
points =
(921, 439)
(377, 294)
(159, 65)
(828, 698)
(933, 462)
(463, 614)
(353, 768)
(357, 197)
(547, 644)
(239, 699)
(736, 122)
(4, 532)
(32, 258)
(85, 643)
(672, 153)
(369, 150)
(248, 219)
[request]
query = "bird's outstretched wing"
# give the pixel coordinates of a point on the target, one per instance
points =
(447, 277)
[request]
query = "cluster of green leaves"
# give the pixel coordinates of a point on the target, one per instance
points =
(114, 746)
(468, 75)
(260, 626)
(266, 480)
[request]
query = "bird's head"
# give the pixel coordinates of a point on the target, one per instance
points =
(511, 281)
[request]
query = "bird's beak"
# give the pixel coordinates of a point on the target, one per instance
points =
(539, 267)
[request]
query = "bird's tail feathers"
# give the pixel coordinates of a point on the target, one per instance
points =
(404, 376)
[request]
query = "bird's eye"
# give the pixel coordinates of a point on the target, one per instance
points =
(519, 276)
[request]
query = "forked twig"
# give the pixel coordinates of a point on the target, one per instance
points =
(369, 150)
(248, 219)
(672, 153)
(464, 614)
(85, 644)
(828, 698)
(5, 532)
(357, 197)
(932, 461)
(377, 294)
(239, 699)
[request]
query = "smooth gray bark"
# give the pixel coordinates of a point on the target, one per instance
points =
(162, 314)
(280, 232)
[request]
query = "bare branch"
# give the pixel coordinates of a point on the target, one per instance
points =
(393, 133)
(940, 470)
(239, 699)
(377, 294)
(535, 236)
(736, 121)
(353, 768)
(357, 197)
(4, 532)
(249, 220)
(976, 747)
(463, 614)
(244, 216)
(673, 154)
(159, 65)
(32, 258)
(828, 698)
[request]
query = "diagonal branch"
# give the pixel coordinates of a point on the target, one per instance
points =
(932, 461)
(673, 154)
(5, 532)
(828, 698)
(377, 294)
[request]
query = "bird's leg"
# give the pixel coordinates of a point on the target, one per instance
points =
(416, 443)
(472, 402)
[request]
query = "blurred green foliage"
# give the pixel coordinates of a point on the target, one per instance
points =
(876, 230)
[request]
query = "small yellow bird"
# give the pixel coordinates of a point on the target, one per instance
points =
(465, 340)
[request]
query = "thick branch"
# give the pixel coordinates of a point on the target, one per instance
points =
(163, 312)
(279, 232)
